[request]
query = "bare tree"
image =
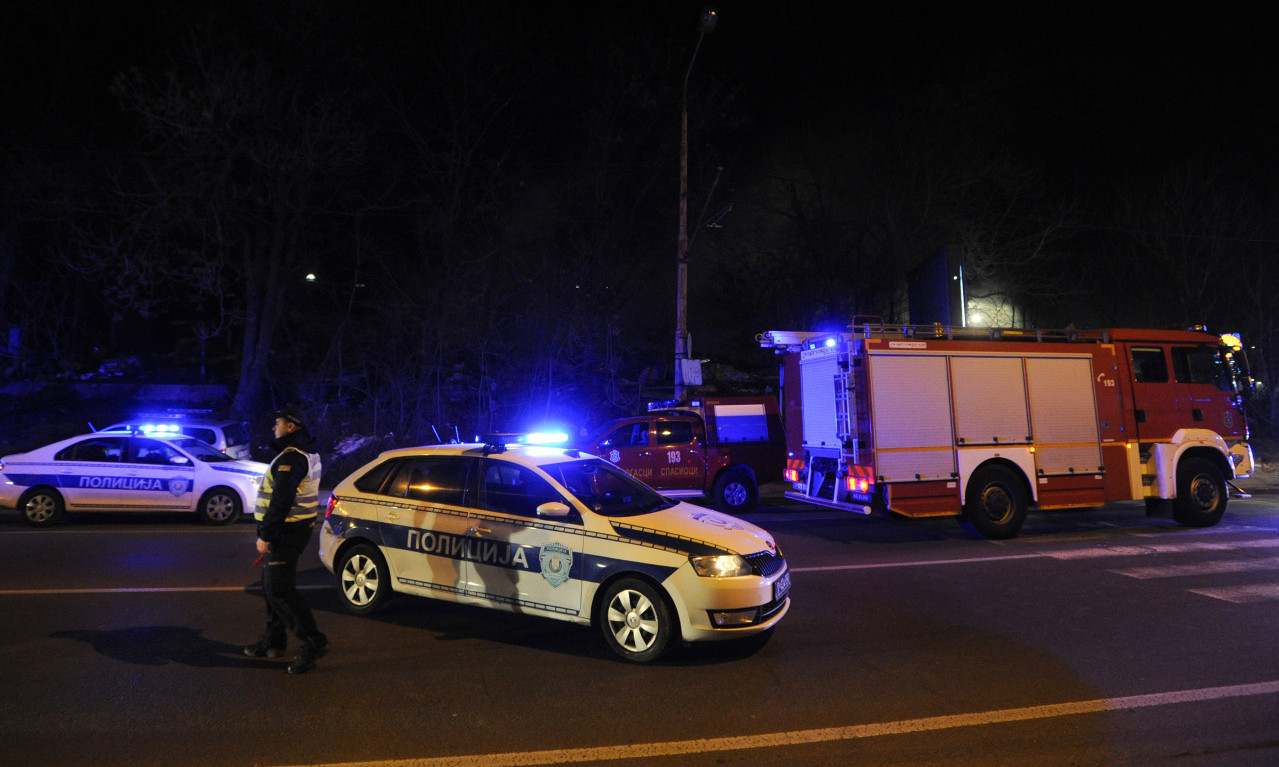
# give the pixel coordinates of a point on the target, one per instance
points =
(246, 139)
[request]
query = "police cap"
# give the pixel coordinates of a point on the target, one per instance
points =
(290, 414)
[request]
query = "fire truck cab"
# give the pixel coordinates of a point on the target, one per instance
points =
(983, 423)
(721, 447)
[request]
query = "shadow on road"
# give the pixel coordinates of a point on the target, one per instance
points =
(161, 645)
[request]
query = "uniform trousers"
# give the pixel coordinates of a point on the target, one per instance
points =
(286, 611)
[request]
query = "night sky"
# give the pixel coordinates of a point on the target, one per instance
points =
(1093, 89)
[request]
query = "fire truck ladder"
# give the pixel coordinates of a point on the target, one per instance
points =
(845, 420)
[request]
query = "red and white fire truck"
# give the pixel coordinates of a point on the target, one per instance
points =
(983, 423)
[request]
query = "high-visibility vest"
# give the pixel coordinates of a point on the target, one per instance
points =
(306, 504)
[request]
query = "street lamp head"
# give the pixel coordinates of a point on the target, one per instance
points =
(710, 17)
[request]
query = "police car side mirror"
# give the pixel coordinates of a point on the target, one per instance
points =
(180, 460)
(553, 510)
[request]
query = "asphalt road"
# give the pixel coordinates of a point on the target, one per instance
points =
(1098, 637)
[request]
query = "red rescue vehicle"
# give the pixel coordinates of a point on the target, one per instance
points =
(932, 421)
(721, 447)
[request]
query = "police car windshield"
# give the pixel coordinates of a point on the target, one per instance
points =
(201, 450)
(606, 489)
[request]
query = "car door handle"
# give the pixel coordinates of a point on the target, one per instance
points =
(480, 531)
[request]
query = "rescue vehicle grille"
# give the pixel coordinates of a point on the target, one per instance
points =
(766, 562)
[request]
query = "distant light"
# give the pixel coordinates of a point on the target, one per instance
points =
(975, 318)
(706, 23)
(310, 277)
(830, 342)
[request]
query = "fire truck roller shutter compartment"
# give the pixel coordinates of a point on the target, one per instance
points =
(817, 371)
(910, 397)
(1064, 411)
(990, 401)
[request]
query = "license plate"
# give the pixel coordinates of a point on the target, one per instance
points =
(781, 586)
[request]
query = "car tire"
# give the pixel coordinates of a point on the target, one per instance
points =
(42, 506)
(995, 506)
(735, 492)
(636, 621)
(219, 506)
(363, 579)
(1201, 494)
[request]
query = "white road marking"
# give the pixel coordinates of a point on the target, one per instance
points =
(1162, 548)
(917, 563)
(825, 735)
(1212, 567)
(1257, 592)
(1066, 555)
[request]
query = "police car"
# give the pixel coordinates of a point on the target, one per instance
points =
(123, 471)
(550, 532)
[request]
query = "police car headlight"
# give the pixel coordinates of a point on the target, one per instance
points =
(720, 566)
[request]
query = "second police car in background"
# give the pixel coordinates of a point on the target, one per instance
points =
(121, 471)
(230, 437)
(550, 532)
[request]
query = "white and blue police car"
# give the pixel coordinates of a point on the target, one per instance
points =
(550, 532)
(124, 471)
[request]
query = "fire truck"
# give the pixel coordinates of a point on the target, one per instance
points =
(926, 421)
(721, 447)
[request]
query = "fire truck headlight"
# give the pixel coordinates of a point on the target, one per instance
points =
(720, 565)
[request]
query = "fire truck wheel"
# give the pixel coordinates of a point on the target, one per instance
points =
(735, 492)
(1201, 494)
(996, 503)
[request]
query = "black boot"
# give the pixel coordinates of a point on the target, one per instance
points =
(307, 657)
(265, 648)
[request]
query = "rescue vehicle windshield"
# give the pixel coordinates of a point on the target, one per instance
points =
(606, 489)
(1236, 371)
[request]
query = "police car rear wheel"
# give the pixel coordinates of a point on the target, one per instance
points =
(219, 506)
(636, 621)
(363, 579)
(42, 506)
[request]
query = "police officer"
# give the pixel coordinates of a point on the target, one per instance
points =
(288, 503)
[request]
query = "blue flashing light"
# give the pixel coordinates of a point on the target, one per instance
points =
(544, 438)
(830, 342)
(161, 429)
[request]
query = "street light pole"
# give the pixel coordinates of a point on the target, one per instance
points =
(706, 25)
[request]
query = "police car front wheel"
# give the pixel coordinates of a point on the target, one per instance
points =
(219, 506)
(42, 506)
(636, 621)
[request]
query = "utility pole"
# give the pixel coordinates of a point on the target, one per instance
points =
(705, 25)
